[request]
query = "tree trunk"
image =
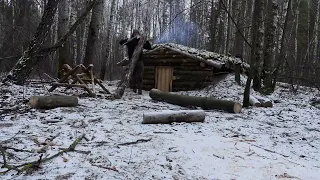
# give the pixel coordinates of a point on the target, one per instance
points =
(93, 33)
(259, 48)
(203, 102)
(166, 117)
(25, 64)
(63, 22)
(271, 26)
(282, 47)
(108, 41)
(50, 102)
(254, 50)
(214, 20)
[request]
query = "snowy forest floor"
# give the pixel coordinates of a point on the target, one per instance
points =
(282, 142)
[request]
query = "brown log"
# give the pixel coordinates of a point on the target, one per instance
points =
(102, 86)
(120, 90)
(203, 102)
(50, 102)
(164, 56)
(188, 72)
(166, 117)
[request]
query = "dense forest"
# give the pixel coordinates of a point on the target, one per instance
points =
(279, 38)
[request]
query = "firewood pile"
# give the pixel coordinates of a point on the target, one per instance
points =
(78, 77)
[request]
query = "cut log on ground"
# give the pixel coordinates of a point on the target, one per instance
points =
(203, 102)
(134, 59)
(265, 102)
(50, 102)
(254, 101)
(166, 117)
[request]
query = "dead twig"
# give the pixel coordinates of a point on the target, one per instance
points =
(113, 168)
(135, 142)
(29, 166)
(158, 132)
(220, 157)
(268, 150)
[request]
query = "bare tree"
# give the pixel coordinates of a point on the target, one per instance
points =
(91, 47)
(26, 63)
(255, 47)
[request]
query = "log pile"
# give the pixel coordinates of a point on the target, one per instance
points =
(70, 78)
(203, 102)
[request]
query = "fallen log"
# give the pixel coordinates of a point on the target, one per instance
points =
(265, 102)
(50, 102)
(254, 101)
(203, 102)
(166, 117)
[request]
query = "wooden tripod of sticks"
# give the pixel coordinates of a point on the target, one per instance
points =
(85, 77)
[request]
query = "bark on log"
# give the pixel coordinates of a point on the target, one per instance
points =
(203, 102)
(166, 117)
(254, 101)
(120, 90)
(50, 102)
(265, 102)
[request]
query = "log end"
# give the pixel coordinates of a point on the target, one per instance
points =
(33, 102)
(237, 107)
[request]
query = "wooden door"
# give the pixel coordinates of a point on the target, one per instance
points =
(164, 76)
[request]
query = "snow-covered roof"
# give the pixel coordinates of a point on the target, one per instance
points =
(210, 58)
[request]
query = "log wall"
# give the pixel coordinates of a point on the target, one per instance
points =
(188, 74)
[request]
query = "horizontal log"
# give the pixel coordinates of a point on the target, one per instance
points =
(149, 67)
(265, 102)
(190, 84)
(203, 102)
(164, 56)
(166, 117)
(148, 77)
(147, 81)
(177, 63)
(254, 101)
(200, 79)
(186, 72)
(192, 68)
(50, 102)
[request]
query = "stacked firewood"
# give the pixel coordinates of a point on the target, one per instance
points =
(71, 79)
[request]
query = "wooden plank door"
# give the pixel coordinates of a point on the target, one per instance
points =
(164, 76)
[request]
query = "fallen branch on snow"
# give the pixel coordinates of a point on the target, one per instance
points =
(135, 142)
(30, 166)
(268, 150)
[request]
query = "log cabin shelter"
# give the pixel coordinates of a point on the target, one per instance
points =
(173, 67)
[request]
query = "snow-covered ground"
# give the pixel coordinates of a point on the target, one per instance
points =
(282, 142)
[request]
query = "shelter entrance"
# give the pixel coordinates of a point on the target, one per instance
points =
(164, 76)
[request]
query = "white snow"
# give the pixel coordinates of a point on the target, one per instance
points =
(223, 147)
